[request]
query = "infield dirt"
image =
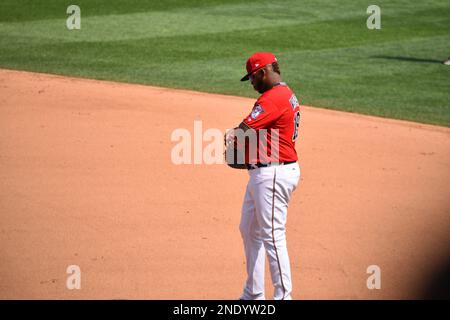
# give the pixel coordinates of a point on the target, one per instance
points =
(87, 179)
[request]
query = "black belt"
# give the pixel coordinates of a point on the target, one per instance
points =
(263, 165)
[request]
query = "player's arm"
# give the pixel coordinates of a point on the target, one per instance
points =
(243, 126)
(231, 134)
(262, 116)
(263, 113)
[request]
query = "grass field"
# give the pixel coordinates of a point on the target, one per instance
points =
(326, 53)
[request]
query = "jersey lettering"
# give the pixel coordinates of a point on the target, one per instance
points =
(296, 125)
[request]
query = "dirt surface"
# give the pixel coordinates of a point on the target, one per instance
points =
(86, 178)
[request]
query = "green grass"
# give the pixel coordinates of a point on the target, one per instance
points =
(326, 53)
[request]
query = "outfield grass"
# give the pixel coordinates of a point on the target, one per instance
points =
(326, 53)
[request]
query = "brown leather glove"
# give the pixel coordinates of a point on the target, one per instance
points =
(234, 154)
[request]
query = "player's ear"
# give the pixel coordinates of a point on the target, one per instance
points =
(264, 72)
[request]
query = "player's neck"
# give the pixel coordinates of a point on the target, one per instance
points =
(274, 81)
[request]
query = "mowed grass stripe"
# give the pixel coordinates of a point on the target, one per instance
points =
(138, 26)
(305, 10)
(29, 10)
(169, 49)
(187, 21)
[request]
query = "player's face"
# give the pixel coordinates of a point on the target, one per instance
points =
(257, 80)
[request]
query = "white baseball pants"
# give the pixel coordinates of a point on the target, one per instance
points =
(263, 229)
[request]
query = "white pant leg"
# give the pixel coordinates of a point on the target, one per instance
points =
(254, 250)
(272, 188)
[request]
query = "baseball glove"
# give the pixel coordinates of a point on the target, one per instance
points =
(234, 153)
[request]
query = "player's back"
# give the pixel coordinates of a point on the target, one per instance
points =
(287, 118)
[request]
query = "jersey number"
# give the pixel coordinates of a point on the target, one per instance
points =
(296, 125)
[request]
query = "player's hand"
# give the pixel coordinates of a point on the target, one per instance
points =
(229, 137)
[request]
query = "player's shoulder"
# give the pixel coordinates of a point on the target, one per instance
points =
(278, 94)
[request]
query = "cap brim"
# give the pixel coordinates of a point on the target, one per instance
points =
(246, 77)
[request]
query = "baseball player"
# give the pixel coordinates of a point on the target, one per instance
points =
(271, 183)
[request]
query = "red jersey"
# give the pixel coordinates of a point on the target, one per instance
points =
(277, 108)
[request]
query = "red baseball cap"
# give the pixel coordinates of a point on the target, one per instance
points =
(257, 61)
